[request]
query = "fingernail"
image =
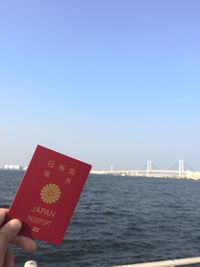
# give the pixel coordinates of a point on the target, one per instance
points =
(15, 224)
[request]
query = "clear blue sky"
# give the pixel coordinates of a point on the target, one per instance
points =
(109, 82)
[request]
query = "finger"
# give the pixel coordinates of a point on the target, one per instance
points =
(9, 259)
(25, 243)
(8, 232)
(3, 213)
(4, 209)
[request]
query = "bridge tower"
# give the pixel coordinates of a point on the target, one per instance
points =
(180, 168)
(149, 168)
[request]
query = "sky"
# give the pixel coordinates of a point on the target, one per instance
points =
(109, 82)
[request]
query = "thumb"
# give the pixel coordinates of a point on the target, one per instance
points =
(7, 233)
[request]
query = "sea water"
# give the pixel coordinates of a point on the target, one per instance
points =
(121, 220)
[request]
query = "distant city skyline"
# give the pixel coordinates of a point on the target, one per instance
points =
(107, 82)
(147, 167)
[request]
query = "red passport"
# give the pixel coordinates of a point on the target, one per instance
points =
(48, 194)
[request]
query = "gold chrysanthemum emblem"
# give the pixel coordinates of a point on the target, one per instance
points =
(50, 193)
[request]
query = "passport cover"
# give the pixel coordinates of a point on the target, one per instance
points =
(48, 194)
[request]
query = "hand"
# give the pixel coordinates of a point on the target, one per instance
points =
(9, 234)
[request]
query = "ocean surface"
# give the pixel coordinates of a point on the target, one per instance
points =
(121, 220)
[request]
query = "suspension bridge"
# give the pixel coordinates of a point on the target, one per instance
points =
(149, 171)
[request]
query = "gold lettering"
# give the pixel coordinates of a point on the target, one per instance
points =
(68, 181)
(61, 168)
(35, 229)
(51, 164)
(46, 173)
(72, 171)
(43, 211)
(37, 220)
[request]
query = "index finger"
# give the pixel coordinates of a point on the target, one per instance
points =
(7, 233)
(26, 243)
(3, 213)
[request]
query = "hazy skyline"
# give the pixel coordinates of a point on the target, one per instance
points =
(107, 82)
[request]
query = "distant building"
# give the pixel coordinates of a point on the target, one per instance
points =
(12, 167)
(193, 174)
